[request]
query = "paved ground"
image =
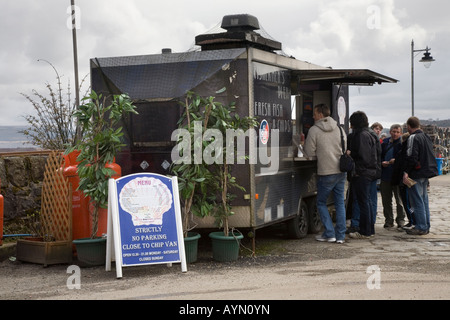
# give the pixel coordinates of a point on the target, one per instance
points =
(392, 265)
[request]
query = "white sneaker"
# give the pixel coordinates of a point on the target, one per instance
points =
(409, 226)
(340, 241)
(323, 239)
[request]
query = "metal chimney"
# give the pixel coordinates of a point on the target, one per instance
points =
(240, 34)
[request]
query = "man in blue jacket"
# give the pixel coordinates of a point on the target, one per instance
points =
(420, 165)
(389, 149)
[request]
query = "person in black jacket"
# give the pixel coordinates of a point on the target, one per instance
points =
(397, 180)
(420, 165)
(365, 150)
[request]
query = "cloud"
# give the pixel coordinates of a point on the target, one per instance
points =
(366, 34)
(377, 35)
(329, 33)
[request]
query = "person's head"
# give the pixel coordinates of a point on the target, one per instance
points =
(321, 111)
(405, 136)
(377, 127)
(395, 131)
(358, 120)
(413, 124)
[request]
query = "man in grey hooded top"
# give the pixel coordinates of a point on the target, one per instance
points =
(324, 142)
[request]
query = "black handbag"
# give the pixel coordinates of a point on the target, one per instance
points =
(346, 163)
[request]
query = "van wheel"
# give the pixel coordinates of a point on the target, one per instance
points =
(298, 227)
(315, 224)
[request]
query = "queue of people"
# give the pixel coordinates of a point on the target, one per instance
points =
(402, 163)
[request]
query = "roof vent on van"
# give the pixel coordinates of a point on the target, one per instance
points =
(240, 22)
(240, 34)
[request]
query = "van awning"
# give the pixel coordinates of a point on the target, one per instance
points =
(342, 76)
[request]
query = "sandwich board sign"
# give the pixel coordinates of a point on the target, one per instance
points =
(144, 222)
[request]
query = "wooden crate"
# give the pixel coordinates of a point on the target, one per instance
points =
(44, 252)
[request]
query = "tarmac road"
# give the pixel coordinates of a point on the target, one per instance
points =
(391, 265)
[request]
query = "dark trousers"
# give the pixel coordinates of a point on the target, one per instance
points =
(362, 188)
(387, 190)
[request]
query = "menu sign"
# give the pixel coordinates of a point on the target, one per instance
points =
(144, 221)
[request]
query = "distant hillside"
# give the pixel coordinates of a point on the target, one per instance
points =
(438, 123)
(10, 138)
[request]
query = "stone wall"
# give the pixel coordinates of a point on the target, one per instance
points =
(21, 183)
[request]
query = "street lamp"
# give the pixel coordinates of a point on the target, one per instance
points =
(75, 60)
(427, 59)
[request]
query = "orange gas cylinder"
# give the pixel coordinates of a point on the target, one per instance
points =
(1, 217)
(81, 217)
(103, 213)
(102, 221)
(116, 168)
(80, 203)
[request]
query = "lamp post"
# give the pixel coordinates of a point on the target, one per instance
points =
(75, 52)
(75, 62)
(426, 59)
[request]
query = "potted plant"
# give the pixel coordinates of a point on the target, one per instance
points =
(205, 187)
(226, 243)
(194, 179)
(97, 147)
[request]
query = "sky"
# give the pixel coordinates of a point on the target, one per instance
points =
(342, 34)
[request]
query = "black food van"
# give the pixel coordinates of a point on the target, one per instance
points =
(238, 65)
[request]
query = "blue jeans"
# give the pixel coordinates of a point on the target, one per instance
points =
(355, 210)
(373, 204)
(418, 196)
(325, 185)
(404, 194)
(363, 187)
(373, 200)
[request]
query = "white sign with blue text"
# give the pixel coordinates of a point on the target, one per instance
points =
(144, 222)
